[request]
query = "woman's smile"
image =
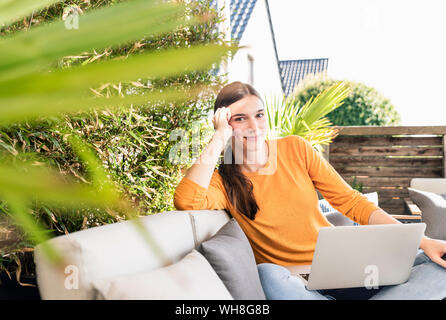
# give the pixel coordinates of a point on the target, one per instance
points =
(252, 138)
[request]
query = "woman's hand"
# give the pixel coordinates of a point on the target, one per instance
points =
(221, 123)
(435, 250)
(203, 168)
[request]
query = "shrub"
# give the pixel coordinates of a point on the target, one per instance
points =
(365, 106)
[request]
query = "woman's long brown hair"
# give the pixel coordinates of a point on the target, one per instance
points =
(238, 187)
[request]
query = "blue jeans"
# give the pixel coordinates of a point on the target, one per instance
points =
(427, 281)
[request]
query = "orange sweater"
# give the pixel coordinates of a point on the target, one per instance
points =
(286, 226)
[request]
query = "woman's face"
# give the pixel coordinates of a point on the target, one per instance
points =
(248, 120)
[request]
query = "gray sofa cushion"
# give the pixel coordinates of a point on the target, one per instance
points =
(334, 216)
(338, 219)
(231, 256)
(433, 209)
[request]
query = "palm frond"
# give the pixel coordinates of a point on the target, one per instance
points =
(69, 90)
(11, 10)
(33, 50)
(288, 117)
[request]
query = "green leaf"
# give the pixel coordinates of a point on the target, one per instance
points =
(98, 175)
(33, 50)
(21, 109)
(308, 121)
(47, 186)
(12, 10)
(156, 64)
(36, 233)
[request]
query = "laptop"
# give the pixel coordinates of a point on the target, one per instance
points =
(362, 256)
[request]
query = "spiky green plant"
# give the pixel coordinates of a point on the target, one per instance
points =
(287, 116)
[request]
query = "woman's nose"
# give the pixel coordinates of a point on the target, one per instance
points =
(252, 125)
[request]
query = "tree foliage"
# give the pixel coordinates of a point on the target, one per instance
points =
(364, 106)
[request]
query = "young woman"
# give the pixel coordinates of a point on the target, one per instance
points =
(268, 186)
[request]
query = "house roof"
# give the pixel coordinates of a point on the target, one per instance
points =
(293, 71)
(240, 13)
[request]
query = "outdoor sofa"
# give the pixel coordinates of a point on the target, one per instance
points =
(95, 257)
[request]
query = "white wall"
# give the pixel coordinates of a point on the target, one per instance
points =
(258, 38)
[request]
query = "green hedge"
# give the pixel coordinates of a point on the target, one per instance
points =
(133, 144)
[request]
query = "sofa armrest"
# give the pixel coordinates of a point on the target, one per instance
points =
(111, 250)
(435, 185)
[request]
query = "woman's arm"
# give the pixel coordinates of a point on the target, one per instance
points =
(198, 190)
(381, 217)
(332, 186)
(202, 169)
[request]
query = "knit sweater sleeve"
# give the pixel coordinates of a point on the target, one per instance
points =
(333, 187)
(191, 196)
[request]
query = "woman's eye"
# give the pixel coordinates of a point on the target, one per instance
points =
(259, 115)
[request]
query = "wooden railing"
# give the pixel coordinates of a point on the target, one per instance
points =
(385, 159)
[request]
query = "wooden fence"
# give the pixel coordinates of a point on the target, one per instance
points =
(385, 159)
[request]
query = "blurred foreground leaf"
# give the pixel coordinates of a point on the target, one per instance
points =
(34, 50)
(68, 90)
(11, 10)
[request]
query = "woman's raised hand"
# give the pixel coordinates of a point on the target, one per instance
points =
(221, 122)
(203, 168)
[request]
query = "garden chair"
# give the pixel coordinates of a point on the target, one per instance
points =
(428, 196)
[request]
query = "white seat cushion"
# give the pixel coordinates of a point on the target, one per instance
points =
(191, 278)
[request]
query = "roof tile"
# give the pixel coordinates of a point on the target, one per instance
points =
(293, 71)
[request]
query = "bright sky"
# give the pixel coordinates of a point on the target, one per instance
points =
(398, 47)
